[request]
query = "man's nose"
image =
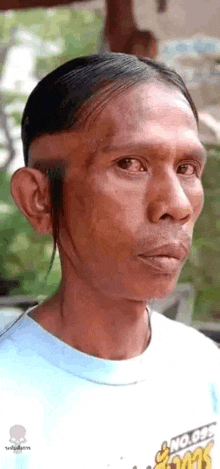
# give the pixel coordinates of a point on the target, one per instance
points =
(168, 199)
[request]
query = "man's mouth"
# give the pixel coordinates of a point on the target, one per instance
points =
(167, 258)
(162, 263)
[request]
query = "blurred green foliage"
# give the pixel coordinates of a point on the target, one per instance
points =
(55, 36)
(80, 32)
(24, 254)
(202, 268)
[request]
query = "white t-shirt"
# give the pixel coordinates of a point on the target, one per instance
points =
(66, 409)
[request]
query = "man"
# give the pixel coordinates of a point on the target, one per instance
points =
(92, 377)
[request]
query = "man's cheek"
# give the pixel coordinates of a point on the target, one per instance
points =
(199, 204)
(195, 195)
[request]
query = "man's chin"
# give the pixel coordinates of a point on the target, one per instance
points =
(159, 290)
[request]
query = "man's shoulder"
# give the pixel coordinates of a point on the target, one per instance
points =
(184, 352)
(183, 338)
(14, 334)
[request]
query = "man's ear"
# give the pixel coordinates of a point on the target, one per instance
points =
(30, 191)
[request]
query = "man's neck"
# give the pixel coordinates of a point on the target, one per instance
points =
(106, 328)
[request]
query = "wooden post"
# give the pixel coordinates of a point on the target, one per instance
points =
(121, 31)
(161, 6)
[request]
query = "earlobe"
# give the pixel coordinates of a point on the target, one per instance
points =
(30, 191)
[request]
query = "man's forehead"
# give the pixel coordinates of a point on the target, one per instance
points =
(146, 102)
(126, 112)
(145, 110)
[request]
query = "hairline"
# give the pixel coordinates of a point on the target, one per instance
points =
(92, 107)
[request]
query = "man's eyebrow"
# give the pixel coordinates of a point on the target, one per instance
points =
(199, 151)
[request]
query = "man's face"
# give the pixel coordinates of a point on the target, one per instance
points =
(130, 208)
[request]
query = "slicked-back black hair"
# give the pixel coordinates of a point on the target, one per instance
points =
(55, 103)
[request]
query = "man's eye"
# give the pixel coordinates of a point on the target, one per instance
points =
(188, 169)
(131, 164)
